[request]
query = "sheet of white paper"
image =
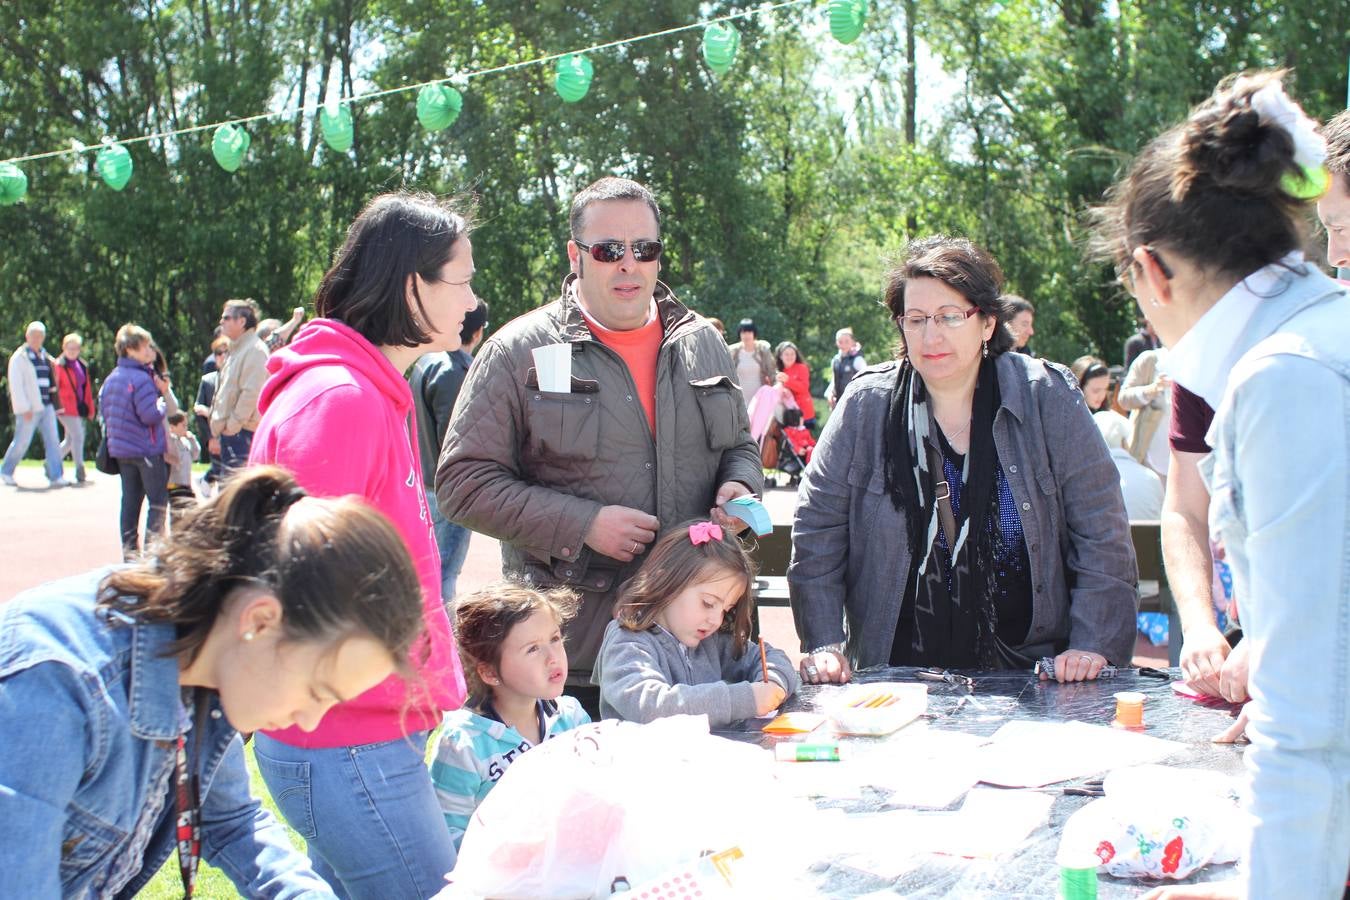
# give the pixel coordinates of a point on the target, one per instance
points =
(553, 366)
(924, 766)
(1034, 754)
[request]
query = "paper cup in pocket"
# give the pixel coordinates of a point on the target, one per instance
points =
(553, 364)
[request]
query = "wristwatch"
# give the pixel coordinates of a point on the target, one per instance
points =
(829, 648)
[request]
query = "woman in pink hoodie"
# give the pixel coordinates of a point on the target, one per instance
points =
(337, 412)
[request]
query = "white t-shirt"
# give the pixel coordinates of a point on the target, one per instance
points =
(748, 374)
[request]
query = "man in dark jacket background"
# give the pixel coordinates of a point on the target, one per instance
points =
(436, 379)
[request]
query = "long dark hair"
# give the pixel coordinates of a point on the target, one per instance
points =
(673, 563)
(397, 235)
(336, 566)
(1210, 188)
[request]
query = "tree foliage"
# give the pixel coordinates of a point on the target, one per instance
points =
(785, 183)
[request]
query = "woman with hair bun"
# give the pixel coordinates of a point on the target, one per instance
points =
(1206, 230)
(337, 411)
(123, 692)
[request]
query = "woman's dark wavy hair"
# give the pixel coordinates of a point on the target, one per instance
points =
(673, 563)
(963, 267)
(1209, 189)
(397, 235)
(337, 567)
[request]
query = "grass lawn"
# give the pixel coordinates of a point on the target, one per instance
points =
(212, 883)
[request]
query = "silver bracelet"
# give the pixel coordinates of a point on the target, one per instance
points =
(829, 648)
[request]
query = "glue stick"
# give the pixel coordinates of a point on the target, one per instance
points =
(789, 751)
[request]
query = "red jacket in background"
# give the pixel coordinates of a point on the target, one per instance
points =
(65, 386)
(799, 382)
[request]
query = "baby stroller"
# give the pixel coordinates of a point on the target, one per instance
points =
(794, 447)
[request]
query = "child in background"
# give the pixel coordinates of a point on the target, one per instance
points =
(182, 453)
(680, 639)
(515, 663)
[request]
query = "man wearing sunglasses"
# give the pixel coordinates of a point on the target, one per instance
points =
(653, 430)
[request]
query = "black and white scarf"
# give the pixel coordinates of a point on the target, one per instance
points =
(948, 616)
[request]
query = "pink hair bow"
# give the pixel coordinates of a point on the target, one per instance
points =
(702, 532)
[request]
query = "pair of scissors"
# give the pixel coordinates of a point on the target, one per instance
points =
(952, 678)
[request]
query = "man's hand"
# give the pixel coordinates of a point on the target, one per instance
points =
(729, 490)
(213, 446)
(1233, 676)
(1203, 651)
(621, 532)
(202, 410)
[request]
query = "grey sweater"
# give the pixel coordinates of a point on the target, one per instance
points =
(644, 675)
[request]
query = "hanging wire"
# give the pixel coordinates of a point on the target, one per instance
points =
(356, 98)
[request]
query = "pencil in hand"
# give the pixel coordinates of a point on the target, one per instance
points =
(763, 660)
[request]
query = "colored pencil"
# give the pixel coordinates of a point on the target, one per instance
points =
(763, 660)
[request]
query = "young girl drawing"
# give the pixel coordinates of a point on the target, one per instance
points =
(515, 663)
(679, 642)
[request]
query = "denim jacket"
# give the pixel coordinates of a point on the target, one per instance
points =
(850, 557)
(1279, 481)
(90, 713)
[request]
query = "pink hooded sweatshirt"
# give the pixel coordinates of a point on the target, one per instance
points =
(337, 414)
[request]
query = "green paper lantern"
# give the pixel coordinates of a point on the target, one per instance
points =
(337, 128)
(438, 106)
(1309, 184)
(720, 43)
(846, 19)
(573, 77)
(114, 166)
(13, 184)
(229, 146)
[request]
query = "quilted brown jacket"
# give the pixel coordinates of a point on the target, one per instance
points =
(533, 468)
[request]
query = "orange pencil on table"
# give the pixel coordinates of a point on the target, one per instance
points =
(763, 661)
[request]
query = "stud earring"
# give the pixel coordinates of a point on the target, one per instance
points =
(248, 635)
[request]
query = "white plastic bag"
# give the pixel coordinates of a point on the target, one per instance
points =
(1159, 822)
(615, 800)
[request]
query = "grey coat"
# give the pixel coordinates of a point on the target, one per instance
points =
(532, 468)
(644, 675)
(850, 558)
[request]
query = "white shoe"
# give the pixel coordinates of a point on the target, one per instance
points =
(9, 480)
(58, 483)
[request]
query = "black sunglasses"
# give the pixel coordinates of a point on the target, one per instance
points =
(613, 251)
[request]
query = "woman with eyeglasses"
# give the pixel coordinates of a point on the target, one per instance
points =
(337, 411)
(961, 509)
(1207, 231)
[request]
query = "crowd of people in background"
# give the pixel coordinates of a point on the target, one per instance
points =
(968, 505)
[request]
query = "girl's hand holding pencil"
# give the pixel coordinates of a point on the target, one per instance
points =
(768, 696)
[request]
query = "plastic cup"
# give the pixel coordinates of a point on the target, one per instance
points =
(1130, 709)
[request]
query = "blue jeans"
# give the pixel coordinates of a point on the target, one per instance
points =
(43, 423)
(74, 443)
(368, 813)
(143, 478)
(234, 450)
(453, 542)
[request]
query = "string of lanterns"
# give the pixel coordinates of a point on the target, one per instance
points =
(438, 104)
